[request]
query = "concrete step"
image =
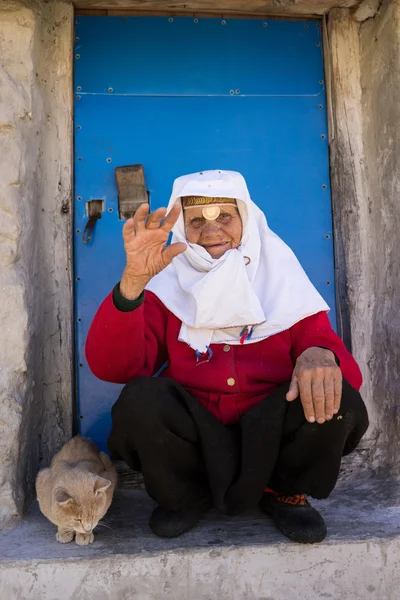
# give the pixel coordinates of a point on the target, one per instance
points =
(224, 558)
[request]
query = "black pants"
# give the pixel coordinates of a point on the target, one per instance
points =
(186, 454)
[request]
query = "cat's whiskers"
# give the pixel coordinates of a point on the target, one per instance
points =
(99, 524)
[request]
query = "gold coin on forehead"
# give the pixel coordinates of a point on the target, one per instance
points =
(211, 212)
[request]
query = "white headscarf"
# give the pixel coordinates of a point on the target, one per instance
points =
(217, 298)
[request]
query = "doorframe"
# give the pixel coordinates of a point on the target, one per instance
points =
(342, 275)
(216, 17)
(345, 156)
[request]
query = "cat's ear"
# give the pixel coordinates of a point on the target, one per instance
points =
(61, 496)
(101, 485)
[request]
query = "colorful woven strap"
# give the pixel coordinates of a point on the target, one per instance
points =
(297, 500)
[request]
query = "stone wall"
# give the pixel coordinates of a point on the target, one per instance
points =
(380, 85)
(35, 242)
(365, 158)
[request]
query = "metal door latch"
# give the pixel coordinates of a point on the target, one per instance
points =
(132, 190)
(94, 209)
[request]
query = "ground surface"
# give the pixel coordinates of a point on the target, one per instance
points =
(235, 558)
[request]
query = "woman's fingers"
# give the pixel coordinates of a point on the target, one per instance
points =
(321, 396)
(171, 218)
(306, 397)
(143, 220)
(318, 395)
(173, 250)
(293, 392)
(139, 219)
(128, 228)
(338, 386)
(154, 219)
(329, 389)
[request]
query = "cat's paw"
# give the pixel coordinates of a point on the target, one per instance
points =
(83, 539)
(64, 537)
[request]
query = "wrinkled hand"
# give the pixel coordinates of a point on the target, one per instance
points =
(318, 380)
(145, 238)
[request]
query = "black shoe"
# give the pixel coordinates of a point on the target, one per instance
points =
(294, 517)
(172, 523)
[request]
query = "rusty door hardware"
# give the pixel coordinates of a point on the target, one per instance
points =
(131, 189)
(94, 209)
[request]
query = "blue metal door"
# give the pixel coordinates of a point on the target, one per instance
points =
(179, 95)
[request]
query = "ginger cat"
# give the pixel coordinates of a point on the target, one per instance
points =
(76, 491)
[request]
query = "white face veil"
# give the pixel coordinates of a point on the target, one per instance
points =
(233, 300)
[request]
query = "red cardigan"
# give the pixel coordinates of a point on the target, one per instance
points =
(124, 345)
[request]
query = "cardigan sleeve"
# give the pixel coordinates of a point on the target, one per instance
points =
(127, 342)
(317, 331)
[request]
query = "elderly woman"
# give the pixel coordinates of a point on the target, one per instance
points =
(258, 400)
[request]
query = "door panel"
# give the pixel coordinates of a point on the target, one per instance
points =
(152, 56)
(176, 122)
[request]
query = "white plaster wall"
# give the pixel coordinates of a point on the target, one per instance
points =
(35, 286)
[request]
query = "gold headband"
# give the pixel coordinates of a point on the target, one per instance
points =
(211, 205)
(191, 201)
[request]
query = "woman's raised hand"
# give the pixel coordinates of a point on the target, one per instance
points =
(145, 238)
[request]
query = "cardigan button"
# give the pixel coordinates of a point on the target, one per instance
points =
(231, 381)
(226, 348)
